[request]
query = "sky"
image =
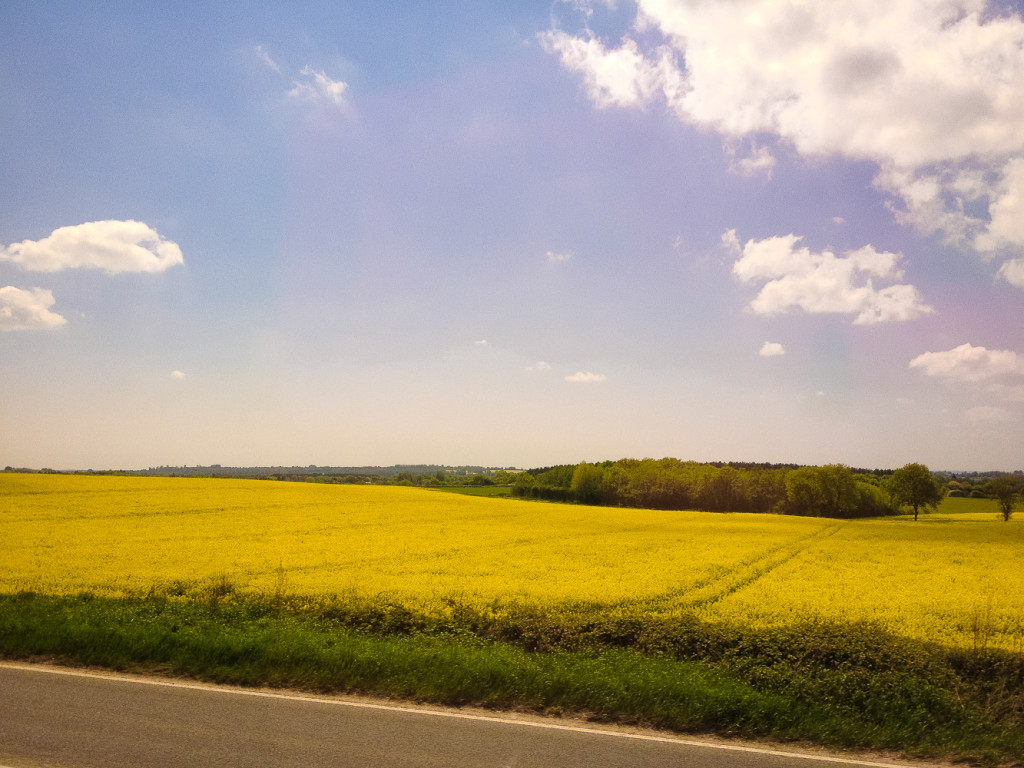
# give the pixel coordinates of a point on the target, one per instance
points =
(512, 233)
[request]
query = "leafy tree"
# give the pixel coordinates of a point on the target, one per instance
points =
(503, 477)
(1007, 491)
(766, 489)
(828, 491)
(524, 480)
(914, 486)
(587, 482)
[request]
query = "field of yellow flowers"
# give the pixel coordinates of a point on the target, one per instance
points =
(955, 577)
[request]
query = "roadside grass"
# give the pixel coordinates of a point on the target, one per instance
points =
(851, 686)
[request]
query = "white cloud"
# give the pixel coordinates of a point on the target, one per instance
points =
(731, 242)
(758, 161)
(1006, 209)
(582, 377)
(177, 375)
(970, 363)
(586, 7)
(1013, 272)
(620, 77)
(772, 349)
(932, 91)
(540, 365)
(554, 257)
(262, 55)
(22, 310)
(797, 279)
(317, 86)
(987, 414)
(480, 343)
(114, 246)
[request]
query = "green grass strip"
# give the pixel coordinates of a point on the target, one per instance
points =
(748, 690)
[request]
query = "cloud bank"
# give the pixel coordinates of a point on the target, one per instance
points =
(29, 310)
(113, 246)
(932, 91)
(795, 278)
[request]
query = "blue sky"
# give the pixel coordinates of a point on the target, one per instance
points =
(512, 233)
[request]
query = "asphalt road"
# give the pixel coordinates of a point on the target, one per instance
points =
(70, 719)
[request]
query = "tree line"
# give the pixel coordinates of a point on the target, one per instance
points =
(833, 490)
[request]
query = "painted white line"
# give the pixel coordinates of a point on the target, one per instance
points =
(442, 713)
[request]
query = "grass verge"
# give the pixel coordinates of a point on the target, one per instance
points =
(848, 686)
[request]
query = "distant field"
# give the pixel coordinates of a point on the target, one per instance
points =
(491, 491)
(956, 577)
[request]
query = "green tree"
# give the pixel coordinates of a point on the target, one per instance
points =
(829, 491)
(587, 482)
(915, 486)
(524, 485)
(503, 477)
(1007, 491)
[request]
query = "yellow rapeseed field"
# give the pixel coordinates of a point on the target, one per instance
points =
(956, 577)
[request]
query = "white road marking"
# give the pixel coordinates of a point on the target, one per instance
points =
(441, 713)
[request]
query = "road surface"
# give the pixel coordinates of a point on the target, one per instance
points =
(61, 718)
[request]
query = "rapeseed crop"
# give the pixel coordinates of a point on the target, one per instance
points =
(955, 577)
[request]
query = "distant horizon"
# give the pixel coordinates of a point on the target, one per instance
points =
(493, 467)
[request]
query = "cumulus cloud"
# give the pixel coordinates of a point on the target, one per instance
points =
(757, 161)
(22, 310)
(795, 278)
(480, 343)
(540, 365)
(1006, 207)
(772, 349)
(621, 77)
(586, 377)
(317, 86)
(177, 375)
(932, 92)
(114, 246)
(731, 242)
(1013, 272)
(970, 363)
